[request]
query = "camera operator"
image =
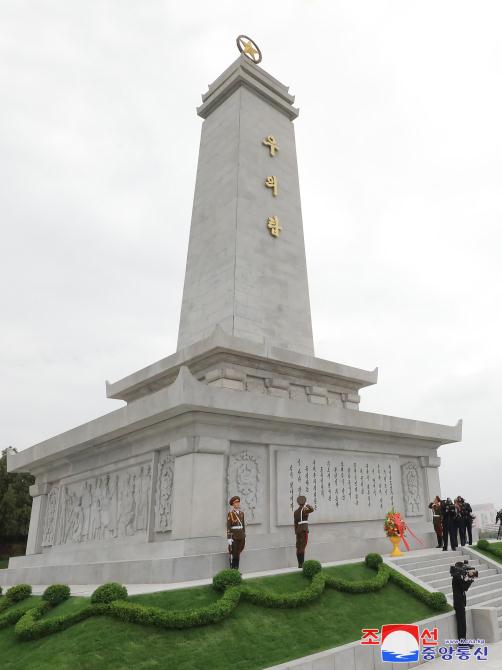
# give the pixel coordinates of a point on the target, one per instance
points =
(462, 577)
(448, 515)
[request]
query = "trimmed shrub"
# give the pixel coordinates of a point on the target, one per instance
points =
(17, 593)
(267, 598)
(360, 585)
(373, 561)
(484, 545)
(435, 600)
(227, 578)
(311, 568)
(29, 627)
(107, 593)
(155, 616)
(56, 593)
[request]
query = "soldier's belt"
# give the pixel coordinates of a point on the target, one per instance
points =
(236, 527)
(299, 522)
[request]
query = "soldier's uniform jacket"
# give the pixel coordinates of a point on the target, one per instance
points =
(236, 526)
(300, 517)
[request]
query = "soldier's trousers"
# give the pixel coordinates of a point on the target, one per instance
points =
(301, 544)
(236, 549)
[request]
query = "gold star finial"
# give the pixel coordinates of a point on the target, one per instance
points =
(249, 48)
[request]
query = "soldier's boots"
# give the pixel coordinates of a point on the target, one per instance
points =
(301, 559)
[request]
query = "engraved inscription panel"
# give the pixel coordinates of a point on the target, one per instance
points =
(341, 486)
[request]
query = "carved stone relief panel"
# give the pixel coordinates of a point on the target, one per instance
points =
(107, 506)
(411, 477)
(51, 509)
(246, 478)
(164, 492)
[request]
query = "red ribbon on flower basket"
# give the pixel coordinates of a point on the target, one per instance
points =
(395, 525)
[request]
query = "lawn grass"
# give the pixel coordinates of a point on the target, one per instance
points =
(250, 639)
(488, 554)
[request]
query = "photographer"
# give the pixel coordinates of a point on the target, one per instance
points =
(462, 577)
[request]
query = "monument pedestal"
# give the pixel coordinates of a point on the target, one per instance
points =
(140, 494)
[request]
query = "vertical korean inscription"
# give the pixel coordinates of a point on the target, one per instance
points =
(340, 487)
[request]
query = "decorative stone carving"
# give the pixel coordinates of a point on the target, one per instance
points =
(410, 477)
(105, 507)
(245, 479)
(50, 518)
(164, 497)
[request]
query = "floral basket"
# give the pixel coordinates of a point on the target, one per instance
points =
(395, 526)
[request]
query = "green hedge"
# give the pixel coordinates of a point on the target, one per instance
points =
(14, 595)
(227, 578)
(107, 593)
(155, 616)
(110, 600)
(484, 545)
(435, 600)
(56, 594)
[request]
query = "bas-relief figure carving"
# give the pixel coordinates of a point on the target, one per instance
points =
(245, 479)
(50, 518)
(105, 507)
(410, 477)
(164, 496)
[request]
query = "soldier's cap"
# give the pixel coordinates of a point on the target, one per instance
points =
(233, 499)
(301, 500)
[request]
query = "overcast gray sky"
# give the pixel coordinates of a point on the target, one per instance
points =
(399, 146)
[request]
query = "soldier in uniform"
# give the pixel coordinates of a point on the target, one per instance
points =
(435, 506)
(236, 531)
(300, 517)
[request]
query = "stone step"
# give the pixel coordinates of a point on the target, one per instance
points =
(444, 582)
(491, 598)
(476, 589)
(443, 557)
(434, 571)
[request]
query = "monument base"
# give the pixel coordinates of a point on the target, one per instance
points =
(184, 560)
(140, 495)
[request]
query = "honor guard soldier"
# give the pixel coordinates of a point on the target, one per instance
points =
(236, 531)
(300, 517)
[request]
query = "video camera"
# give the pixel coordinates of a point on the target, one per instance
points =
(463, 570)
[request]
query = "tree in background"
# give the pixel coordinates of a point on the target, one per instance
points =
(15, 503)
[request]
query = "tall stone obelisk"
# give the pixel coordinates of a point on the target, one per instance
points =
(246, 269)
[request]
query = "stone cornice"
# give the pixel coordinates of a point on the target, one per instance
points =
(243, 73)
(189, 395)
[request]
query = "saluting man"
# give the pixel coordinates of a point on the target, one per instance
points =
(236, 531)
(300, 517)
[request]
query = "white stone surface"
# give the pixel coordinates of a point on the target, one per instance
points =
(237, 275)
(140, 495)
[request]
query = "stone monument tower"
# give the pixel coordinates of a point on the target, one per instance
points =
(243, 406)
